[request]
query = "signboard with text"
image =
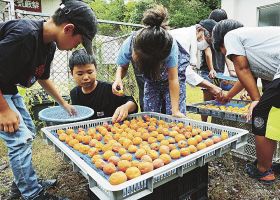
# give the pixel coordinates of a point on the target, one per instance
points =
(28, 5)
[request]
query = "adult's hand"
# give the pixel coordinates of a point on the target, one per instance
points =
(9, 121)
(215, 90)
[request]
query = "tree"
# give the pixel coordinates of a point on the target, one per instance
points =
(109, 10)
(182, 13)
(186, 13)
(212, 4)
(129, 10)
(113, 10)
(140, 7)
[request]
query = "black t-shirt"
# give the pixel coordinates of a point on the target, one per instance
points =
(101, 100)
(218, 61)
(24, 58)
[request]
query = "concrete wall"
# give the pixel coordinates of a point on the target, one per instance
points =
(245, 11)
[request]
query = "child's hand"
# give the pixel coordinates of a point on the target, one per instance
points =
(223, 98)
(119, 91)
(120, 114)
(178, 114)
(212, 74)
(117, 88)
(244, 95)
(9, 121)
(250, 110)
(70, 109)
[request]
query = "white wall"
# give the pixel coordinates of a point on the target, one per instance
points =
(49, 6)
(245, 11)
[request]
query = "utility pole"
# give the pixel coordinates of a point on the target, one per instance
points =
(11, 9)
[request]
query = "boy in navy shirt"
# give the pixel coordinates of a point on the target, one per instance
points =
(95, 94)
(27, 49)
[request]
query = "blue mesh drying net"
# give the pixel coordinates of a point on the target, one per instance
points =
(58, 114)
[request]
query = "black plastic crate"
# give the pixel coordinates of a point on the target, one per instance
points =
(191, 108)
(192, 186)
(35, 109)
(39, 100)
(198, 194)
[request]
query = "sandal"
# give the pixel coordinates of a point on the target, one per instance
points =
(275, 166)
(266, 177)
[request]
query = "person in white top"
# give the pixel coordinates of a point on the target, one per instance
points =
(187, 37)
(192, 39)
(255, 52)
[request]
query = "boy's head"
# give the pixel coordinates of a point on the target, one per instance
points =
(220, 30)
(83, 68)
(218, 15)
(79, 19)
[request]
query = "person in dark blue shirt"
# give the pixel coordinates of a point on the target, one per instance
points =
(27, 49)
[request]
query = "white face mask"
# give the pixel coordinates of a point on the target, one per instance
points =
(202, 45)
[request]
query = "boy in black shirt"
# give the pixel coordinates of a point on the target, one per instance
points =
(96, 94)
(27, 49)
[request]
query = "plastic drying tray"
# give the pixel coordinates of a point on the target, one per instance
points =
(144, 184)
(196, 108)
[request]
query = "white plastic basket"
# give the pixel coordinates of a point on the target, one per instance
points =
(248, 151)
(144, 184)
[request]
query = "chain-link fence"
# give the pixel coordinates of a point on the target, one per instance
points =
(106, 45)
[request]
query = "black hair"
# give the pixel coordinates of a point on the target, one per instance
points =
(153, 44)
(59, 16)
(81, 57)
(221, 29)
(218, 15)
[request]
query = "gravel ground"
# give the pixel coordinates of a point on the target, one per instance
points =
(227, 179)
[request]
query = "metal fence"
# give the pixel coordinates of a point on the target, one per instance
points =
(106, 45)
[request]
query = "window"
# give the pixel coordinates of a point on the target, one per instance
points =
(269, 15)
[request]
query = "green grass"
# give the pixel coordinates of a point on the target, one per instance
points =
(47, 163)
(194, 95)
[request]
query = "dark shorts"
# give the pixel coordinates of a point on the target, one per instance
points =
(269, 99)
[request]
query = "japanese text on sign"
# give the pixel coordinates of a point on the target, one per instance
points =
(28, 5)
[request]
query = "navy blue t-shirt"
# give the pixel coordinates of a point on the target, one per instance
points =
(101, 100)
(24, 58)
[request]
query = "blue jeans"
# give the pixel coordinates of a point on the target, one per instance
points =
(19, 149)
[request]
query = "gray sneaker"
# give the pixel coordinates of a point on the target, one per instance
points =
(15, 193)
